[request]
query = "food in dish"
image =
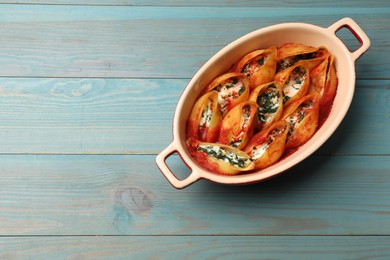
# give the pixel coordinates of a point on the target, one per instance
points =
(267, 146)
(270, 103)
(296, 83)
(205, 120)
(220, 158)
(232, 89)
(269, 98)
(324, 82)
(259, 66)
(303, 117)
(238, 125)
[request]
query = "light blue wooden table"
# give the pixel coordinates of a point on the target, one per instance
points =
(87, 95)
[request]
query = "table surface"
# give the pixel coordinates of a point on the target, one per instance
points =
(88, 90)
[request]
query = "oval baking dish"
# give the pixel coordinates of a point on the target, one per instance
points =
(221, 62)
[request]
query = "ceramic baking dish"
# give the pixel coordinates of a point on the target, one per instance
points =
(221, 62)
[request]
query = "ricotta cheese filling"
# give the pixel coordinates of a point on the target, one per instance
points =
(294, 83)
(227, 92)
(258, 151)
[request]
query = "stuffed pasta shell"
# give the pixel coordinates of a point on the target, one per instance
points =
(324, 82)
(296, 84)
(219, 158)
(269, 98)
(232, 89)
(205, 119)
(259, 66)
(303, 117)
(291, 53)
(238, 125)
(268, 146)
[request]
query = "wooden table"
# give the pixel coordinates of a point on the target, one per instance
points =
(88, 90)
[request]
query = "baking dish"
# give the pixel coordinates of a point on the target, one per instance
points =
(221, 62)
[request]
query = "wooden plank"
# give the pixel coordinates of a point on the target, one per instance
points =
(220, 3)
(127, 195)
(193, 247)
(366, 123)
(62, 41)
(87, 115)
(124, 116)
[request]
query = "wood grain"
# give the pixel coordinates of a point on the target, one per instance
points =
(127, 195)
(62, 41)
(125, 116)
(193, 247)
(219, 3)
(87, 95)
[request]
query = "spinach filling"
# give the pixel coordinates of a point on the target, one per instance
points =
(230, 84)
(299, 74)
(288, 62)
(268, 103)
(286, 98)
(260, 61)
(241, 90)
(246, 69)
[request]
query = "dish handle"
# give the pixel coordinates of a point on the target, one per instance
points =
(171, 177)
(359, 34)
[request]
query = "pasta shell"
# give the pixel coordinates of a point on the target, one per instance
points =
(219, 158)
(324, 82)
(259, 66)
(269, 98)
(318, 78)
(232, 89)
(291, 53)
(205, 119)
(296, 84)
(268, 146)
(292, 49)
(238, 125)
(329, 92)
(303, 117)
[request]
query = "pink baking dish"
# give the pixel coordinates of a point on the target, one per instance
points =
(261, 39)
